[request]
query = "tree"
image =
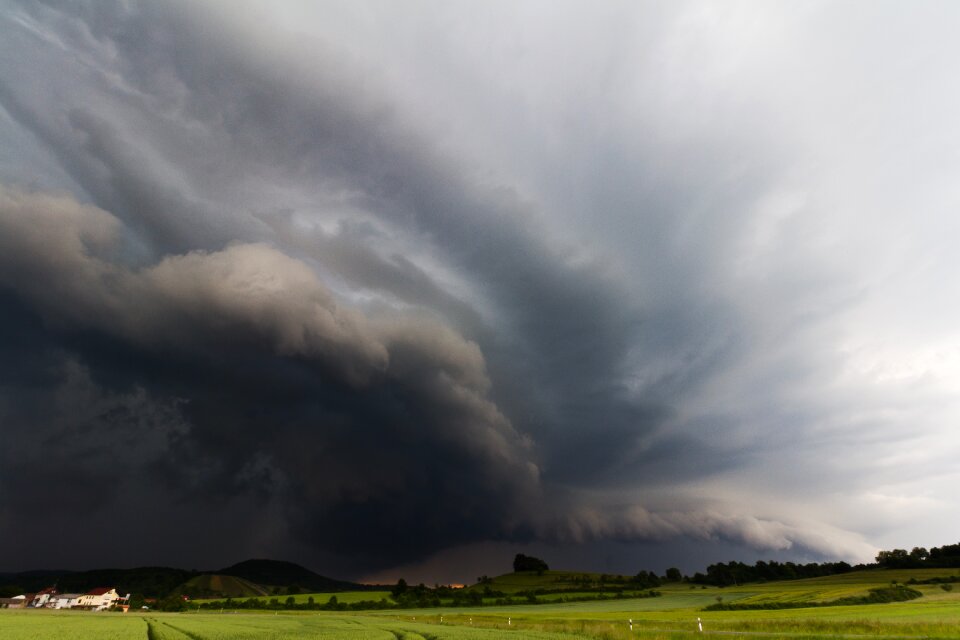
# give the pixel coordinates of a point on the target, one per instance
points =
(529, 563)
(894, 558)
(172, 602)
(646, 579)
(400, 589)
(10, 591)
(673, 575)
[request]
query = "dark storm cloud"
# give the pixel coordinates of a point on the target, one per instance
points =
(346, 253)
(356, 426)
(383, 280)
(353, 423)
(567, 326)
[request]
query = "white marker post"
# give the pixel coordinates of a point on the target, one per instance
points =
(509, 621)
(700, 625)
(631, 624)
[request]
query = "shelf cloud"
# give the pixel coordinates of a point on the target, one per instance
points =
(365, 286)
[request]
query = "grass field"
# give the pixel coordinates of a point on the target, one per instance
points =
(552, 580)
(346, 597)
(674, 615)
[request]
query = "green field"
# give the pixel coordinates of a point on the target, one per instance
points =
(552, 580)
(346, 597)
(673, 615)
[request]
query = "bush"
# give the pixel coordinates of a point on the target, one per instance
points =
(172, 603)
(529, 563)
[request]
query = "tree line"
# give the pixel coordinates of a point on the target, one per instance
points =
(947, 556)
(732, 573)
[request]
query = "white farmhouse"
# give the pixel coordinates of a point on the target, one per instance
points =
(98, 599)
(63, 601)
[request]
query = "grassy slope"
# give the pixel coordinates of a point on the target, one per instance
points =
(675, 595)
(285, 574)
(828, 588)
(937, 614)
(529, 580)
(218, 584)
(807, 590)
(346, 597)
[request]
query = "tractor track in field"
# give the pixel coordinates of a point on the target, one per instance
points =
(151, 632)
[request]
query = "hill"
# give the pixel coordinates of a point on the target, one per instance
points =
(555, 581)
(152, 582)
(244, 579)
(219, 586)
(278, 573)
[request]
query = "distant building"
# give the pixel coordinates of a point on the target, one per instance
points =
(97, 599)
(42, 598)
(63, 601)
(16, 602)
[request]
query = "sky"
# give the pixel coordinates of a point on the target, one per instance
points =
(403, 289)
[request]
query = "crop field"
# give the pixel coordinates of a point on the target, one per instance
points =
(673, 615)
(43, 625)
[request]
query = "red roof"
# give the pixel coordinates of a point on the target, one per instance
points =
(47, 590)
(99, 591)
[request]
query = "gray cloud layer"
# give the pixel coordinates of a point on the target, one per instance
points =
(398, 379)
(636, 273)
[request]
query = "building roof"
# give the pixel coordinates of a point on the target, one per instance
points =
(99, 591)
